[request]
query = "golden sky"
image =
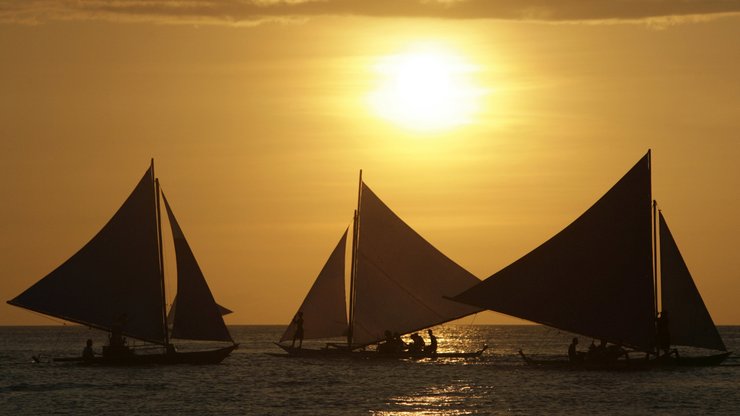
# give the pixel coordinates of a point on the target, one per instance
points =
(260, 115)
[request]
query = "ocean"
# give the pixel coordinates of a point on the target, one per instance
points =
(252, 382)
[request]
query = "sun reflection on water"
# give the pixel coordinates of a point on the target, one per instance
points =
(446, 400)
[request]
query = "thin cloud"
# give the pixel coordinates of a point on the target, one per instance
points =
(246, 12)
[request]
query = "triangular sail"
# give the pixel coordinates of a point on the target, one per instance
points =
(324, 308)
(114, 280)
(689, 322)
(173, 310)
(401, 279)
(594, 277)
(198, 316)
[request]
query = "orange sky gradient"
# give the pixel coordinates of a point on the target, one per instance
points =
(258, 120)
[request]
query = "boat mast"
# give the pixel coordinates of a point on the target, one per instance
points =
(655, 255)
(353, 266)
(161, 258)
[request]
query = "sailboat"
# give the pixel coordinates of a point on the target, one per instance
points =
(115, 283)
(599, 278)
(397, 284)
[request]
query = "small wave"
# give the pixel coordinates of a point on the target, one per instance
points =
(26, 387)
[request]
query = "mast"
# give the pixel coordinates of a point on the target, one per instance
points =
(353, 266)
(655, 262)
(654, 253)
(161, 258)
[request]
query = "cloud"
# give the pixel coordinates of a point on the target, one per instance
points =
(246, 12)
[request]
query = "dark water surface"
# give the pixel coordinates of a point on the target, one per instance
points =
(254, 383)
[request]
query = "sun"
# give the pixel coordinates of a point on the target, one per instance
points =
(426, 89)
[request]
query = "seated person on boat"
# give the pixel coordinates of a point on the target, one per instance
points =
(88, 354)
(417, 343)
(616, 351)
(393, 344)
(604, 352)
(573, 354)
(388, 345)
(596, 352)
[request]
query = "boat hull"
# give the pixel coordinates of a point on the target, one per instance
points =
(347, 353)
(704, 361)
(629, 364)
(168, 358)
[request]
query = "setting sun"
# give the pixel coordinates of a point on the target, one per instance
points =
(426, 90)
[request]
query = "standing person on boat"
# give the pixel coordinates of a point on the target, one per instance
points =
(432, 348)
(298, 321)
(573, 354)
(398, 344)
(88, 354)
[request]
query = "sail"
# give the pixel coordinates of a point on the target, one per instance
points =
(400, 278)
(198, 316)
(173, 310)
(114, 280)
(324, 308)
(592, 278)
(689, 322)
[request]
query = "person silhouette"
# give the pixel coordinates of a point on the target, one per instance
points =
(432, 347)
(298, 334)
(573, 354)
(386, 346)
(88, 354)
(417, 343)
(398, 344)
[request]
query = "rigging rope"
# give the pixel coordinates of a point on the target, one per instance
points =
(38, 357)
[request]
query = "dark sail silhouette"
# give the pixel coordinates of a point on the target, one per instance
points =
(398, 282)
(595, 278)
(198, 316)
(689, 321)
(173, 310)
(324, 308)
(101, 286)
(401, 279)
(116, 283)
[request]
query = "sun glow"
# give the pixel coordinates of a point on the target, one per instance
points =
(426, 90)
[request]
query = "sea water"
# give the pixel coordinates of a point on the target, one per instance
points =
(253, 382)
